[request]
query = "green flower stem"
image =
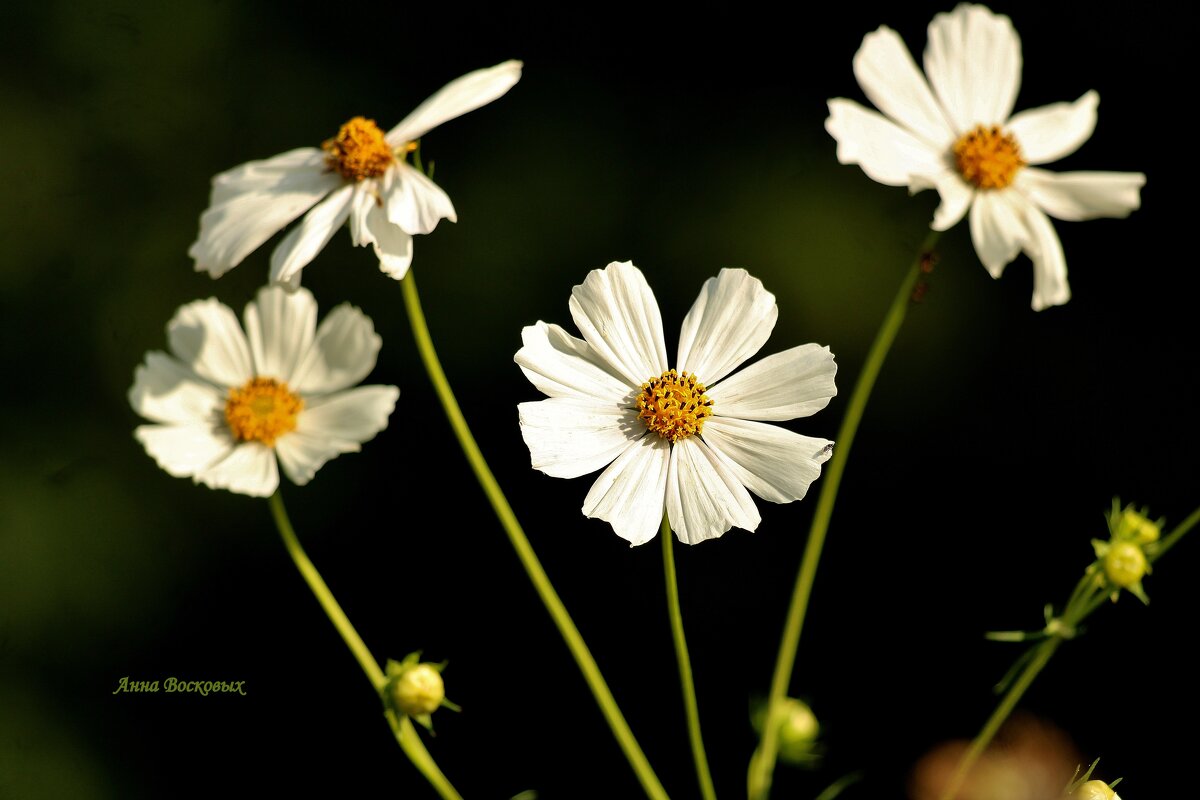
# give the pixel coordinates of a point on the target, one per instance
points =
(685, 665)
(533, 568)
(407, 738)
(762, 765)
(1088, 596)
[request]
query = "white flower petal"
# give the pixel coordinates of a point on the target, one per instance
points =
(308, 238)
(415, 203)
(1083, 195)
(730, 321)
(973, 61)
(569, 437)
(250, 468)
(342, 353)
(164, 390)
(560, 365)
(794, 383)
(885, 151)
(184, 450)
(774, 463)
(364, 198)
(456, 98)
(704, 497)
(956, 195)
(891, 80)
(1055, 131)
(393, 247)
(330, 426)
(617, 314)
(997, 229)
(250, 203)
(280, 325)
(206, 336)
(1049, 264)
(629, 495)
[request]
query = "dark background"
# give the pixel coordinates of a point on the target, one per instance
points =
(686, 141)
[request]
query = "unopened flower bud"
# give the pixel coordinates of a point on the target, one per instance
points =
(1137, 528)
(1094, 790)
(418, 690)
(798, 730)
(1125, 564)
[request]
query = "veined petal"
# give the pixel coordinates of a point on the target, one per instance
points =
(184, 450)
(560, 365)
(629, 495)
(415, 203)
(569, 437)
(342, 353)
(617, 314)
(250, 203)
(308, 238)
(704, 496)
(393, 247)
(886, 152)
(206, 336)
(250, 468)
(1083, 195)
(997, 229)
(795, 383)
(1049, 263)
(362, 200)
(456, 98)
(774, 463)
(280, 325)
(1055, 131)
(973, 61)
(730, 321)
(330, 426)
(164, 390)
(891, 80)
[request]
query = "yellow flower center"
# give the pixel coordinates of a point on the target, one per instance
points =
(359, 150)
(674, 406)
(988, 157)
(262, 411)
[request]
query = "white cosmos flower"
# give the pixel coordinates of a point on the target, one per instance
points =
(363, 176)
(682, 439)
(226, 404)
(955, 133)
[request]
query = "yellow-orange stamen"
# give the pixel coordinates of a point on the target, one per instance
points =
(359, 150)
(262, 411)
(674, 406)
(988, 157)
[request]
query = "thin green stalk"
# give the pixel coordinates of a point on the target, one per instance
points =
(1174, 536)
(762, 765)
(407, 738)
(533, 568)
(685, 665)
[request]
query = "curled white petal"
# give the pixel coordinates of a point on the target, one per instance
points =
(973, 62)
(567, 437)
(630, 494)
(330, 426)
(891, 80)
(730, 321)
(1055, 131)
(1049, 263)
(184, 451)
(561, 365)
(165, 390)
(885, 151)
(342, 353)
(249, 468)
(997, 229)
(1079, 196)
(955, 193)
(206, 336)
(774, 463)
(617, 314)
(704, 496)
(797, 382)
(304, 241)
(415, 203)
(280, 325)
(456, 98)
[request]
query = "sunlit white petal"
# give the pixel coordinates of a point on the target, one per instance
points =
(704, 496)
(567, 437)
(885, 151)
(1049, 264)
(330, 426)
(184, 451)
(794, 383)
(280, 326)
(618, 316)
(561, 365)
(997, 229)
(1055, 131)
(342, 353)
(891, 80)
(250, 468)
(456, 98)
(415, 203)
(973, 62)
(774, 463)
(955, 193)
(630, 494)
(1083, 195)
(166, 390)
(206, 336)
(730, 321)
(302, 244)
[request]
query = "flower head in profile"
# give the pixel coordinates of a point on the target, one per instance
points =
(685, 438)
(955, 132)
(227, 405)
(361, 174)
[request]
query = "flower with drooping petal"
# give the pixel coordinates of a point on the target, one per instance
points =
(688, 440)
(954, 133)
(227, 404)
(367, 179)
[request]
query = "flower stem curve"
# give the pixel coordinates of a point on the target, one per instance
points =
(529, 560)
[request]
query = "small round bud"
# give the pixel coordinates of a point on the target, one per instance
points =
(798, 730)
(418, 690)
(1137, 528)
(1094, 790)
(1125, 564)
